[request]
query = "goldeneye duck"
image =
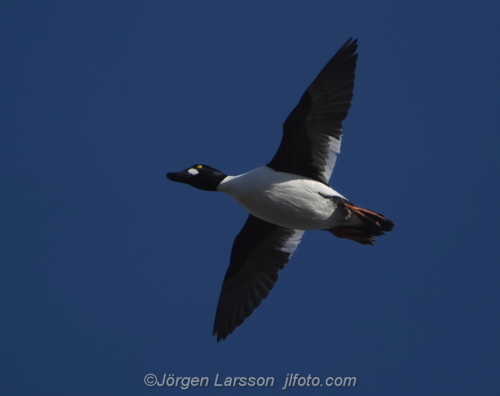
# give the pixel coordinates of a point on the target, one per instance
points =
(289, 195)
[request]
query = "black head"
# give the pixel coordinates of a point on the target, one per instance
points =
(200, 176)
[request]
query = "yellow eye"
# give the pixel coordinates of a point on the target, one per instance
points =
(199, 166)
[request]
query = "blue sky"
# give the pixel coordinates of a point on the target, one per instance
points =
(110, 272)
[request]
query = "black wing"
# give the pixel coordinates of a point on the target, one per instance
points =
(312, 132)
(259, 251)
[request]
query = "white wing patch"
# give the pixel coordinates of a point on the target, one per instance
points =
(293, 242)
(333, 152)
(193, 171)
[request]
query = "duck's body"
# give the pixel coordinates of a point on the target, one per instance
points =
(289, 195)
(285, 199)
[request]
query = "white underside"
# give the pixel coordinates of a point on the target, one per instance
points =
(284, 199)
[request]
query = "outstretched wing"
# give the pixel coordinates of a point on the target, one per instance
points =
(312, 132)
(259, 251)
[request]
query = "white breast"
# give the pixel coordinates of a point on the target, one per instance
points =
(282, 198)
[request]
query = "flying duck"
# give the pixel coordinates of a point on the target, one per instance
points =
(289, 195)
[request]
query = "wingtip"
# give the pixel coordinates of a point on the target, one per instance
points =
(350, 43)
(220, 331)
(219, 336)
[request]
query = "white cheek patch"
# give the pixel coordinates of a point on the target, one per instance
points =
(193, 171)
